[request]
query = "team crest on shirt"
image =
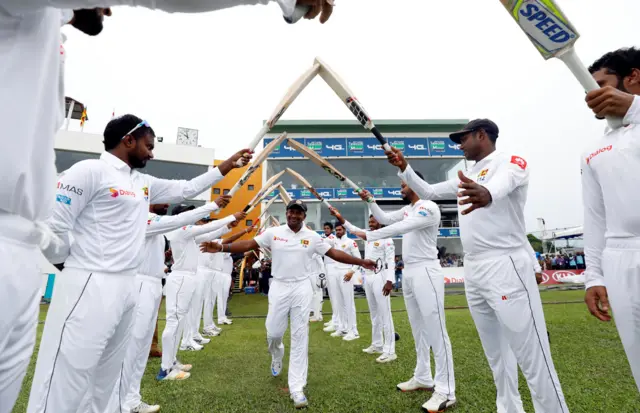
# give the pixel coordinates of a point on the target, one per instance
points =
(145, 191)
(304, 242)
(376, 244)
(482, 176)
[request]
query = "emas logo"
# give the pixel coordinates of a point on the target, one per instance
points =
(280, 239)
(423, 211)
(598, 152)
(115, 192)
(304, 243)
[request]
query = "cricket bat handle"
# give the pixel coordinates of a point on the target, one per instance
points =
(298, 13)
(326, 203)
(356, 188)
(381, 139)
(256, 140)
(573, 62)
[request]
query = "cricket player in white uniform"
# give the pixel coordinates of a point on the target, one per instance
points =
(500, 286)
(149, 288)
(103, 204)
(423, 291)
(378, 287)
(610, 169)
(342, 285)
(182, 283)
(329, 237)
(35, 80)
(292, 247)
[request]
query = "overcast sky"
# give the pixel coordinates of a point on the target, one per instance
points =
(223, 72)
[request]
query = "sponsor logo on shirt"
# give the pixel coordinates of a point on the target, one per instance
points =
(115, 192)
(504, 298)
(423, 211)
(63, 199)
(519, 161)
(69, 188)
(354, 244)
(598, 152)
(482, 176)
(280, 239)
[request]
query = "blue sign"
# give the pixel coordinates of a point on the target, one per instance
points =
(327, 147)
(339, 193)
(449, 232)
(283, 150)
(369, 147)
(444, 147)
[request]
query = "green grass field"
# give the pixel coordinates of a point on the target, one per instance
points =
(232, 373)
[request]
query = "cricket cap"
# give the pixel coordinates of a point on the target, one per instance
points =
(475, 125)
(296, 203)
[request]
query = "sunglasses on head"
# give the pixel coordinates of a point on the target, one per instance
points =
(138, 126)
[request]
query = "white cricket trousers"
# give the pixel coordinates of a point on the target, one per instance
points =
(621, 268)
(423, 290)
(149, 294)
(223, 283)
(192, 323)
(316, 302)
(210, 294)
(180, 287)
(83, 345)
(505, 304)
(290, 299)
(335, 298)
(382, 331)
(20, 292)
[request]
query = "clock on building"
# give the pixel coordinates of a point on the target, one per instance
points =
(187, 136)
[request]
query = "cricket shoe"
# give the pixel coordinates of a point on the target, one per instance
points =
(172, 375)
(210, 333)
(386, 358)
(193, 346)
(226, 321)
(299, 400)
(183, 367)
(329, 323)
(413, 385)
(145, 408)
(329, 329)
(201, 340)
(338, 334)
(276, 367)
(372, 350)
(438, 403)
(351, 337)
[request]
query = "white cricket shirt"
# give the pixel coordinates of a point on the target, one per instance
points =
(610, 169)
(346, 245)
(185, 242)
(418, 224)
(500, 225)
(329, 239)
(227, 263)
(291, 252)
(382, 249)
(103, 205)
(158, 225)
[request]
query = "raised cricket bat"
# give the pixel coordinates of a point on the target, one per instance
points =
(347, 97)
(256, 162)
(308, 186)
(274, 222)
(257, 201)
(553, 35)
(284, 195)
(320, 161)
(261, 193)
(292, 93)
(267, 205)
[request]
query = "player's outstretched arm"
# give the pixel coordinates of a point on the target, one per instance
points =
(162, 224)
(235, 237)
(239, 247)
(349, 259)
